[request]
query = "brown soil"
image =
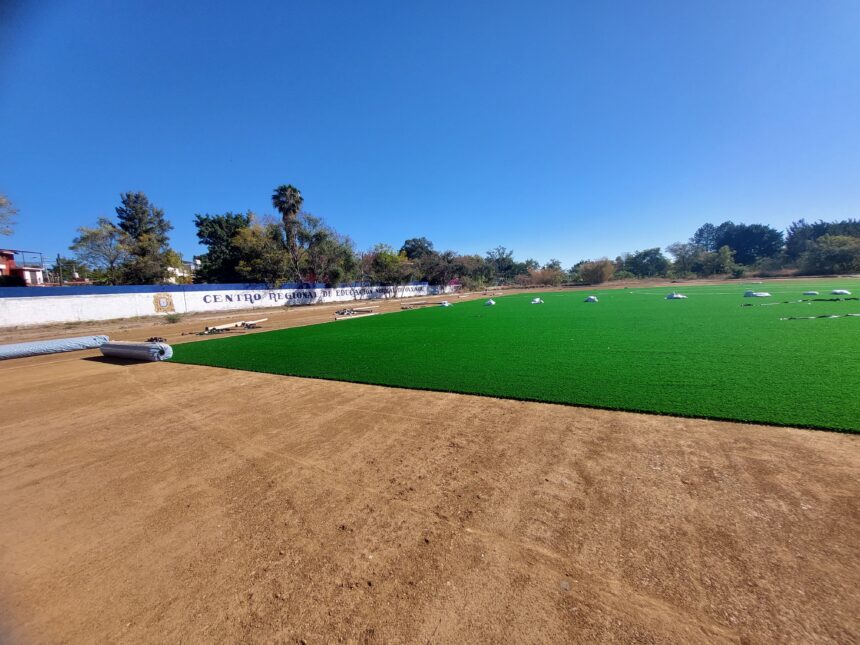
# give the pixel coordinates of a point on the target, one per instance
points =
(172, 503)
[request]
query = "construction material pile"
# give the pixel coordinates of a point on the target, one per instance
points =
(223, 329)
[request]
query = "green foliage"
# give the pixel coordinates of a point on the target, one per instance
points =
(388, 267)
(323, 254)
(705, 238)
(624, 275)
(217, 233)
(288, 201)
(173, 318)
(832, 254)
(439, 268)
(261, 249)
(68, 267)
(105, 248)
(502, 262)
(704, 357)
(719, 262)
(644, 264)
(474, 271)
(417, 248)
(146, 239)
(801, 235)
(750, 242)
(685, 256)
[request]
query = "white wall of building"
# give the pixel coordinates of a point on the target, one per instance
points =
(79, 307)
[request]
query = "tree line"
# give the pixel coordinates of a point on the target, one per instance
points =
(299, 247)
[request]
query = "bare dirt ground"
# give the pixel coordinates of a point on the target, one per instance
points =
(172, 503)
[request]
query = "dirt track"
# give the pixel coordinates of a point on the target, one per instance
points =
(163, 502)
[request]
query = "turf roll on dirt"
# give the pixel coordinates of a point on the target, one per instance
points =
(137, 351)
(39, 347)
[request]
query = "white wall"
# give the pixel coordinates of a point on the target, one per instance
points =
(37, 310)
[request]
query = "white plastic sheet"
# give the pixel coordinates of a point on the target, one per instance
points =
(39, 347)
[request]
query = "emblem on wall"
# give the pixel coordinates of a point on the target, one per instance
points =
(163, 303)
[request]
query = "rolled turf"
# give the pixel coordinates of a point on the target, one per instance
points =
(706, 356)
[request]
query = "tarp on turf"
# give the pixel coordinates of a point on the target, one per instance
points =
(39, 347)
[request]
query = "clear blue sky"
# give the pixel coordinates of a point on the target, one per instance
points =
(557, 129)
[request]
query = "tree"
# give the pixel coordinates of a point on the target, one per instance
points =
(439, 268)
(647, 263)
(502, 261)
(138, 218)
(596, 271)
(705, 237)
(831, 254)
(800, 234)
(685, 256)
(146, 229)
(263, 257)
(750, 242)
(389, 267)
(288, 201)
(719, 262)
(103, 247)
(7, 215)
(324, 255)
(552, 265)
(217, 233)
(549, 276)
(474, 271)
(417, 247)
(66, 268)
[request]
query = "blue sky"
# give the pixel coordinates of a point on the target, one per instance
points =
(557, 129)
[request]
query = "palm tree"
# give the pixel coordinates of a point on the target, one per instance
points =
(287, 199)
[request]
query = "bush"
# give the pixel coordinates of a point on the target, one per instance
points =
(12, 281)
(169, 319)
(472, 284)
(832, 254)
(597, 271)
(624, 275)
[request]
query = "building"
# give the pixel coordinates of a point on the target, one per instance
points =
(183, 274)
(26, 265)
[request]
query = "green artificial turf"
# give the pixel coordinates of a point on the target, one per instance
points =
(706, 356)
